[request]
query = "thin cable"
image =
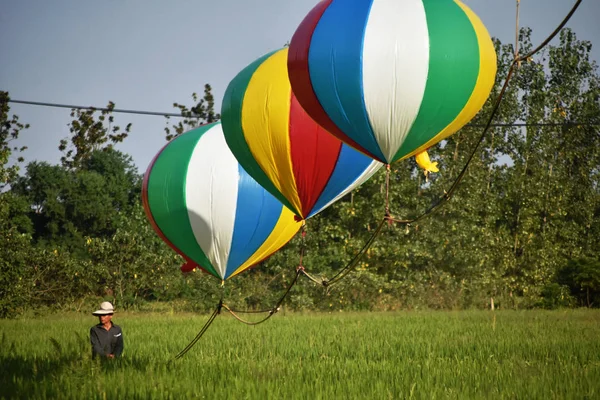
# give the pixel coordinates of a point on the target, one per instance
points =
(517, 31)
(170, 114)
(302, 245)
(346, 270)
(116, 110)
(327, 283)
(525, 124)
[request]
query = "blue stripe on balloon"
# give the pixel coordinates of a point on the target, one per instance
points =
(335, 68)
(251, 228)
(350, 166)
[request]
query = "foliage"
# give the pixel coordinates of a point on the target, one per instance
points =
(14, 248)
(89, 134)
(14, 226)
(582, 278)
(202, 113)
(554, 295)
(133, 263)
(10, 129)
(68, 204)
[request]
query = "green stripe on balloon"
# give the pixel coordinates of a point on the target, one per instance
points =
(168, 202)
(449, 86)
(231, 120)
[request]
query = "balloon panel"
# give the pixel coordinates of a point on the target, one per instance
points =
(284, 149)
(204, 203)
(394, 77)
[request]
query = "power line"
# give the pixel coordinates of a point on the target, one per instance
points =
(167, 114)
(116, 110)
(535, 124)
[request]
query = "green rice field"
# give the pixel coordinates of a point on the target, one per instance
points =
(420, 355)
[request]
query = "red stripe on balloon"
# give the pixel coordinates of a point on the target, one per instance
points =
(189, 264)
(314, 154)
(300, 76)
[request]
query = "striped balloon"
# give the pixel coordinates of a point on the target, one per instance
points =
(281, 147)
(392, 78)
(208, 209)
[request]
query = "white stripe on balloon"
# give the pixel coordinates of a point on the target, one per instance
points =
(367, 173)
(395, 68)
(211, 199)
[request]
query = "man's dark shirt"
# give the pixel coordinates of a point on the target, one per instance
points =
(105, 342)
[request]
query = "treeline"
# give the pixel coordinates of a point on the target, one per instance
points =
(523, 228)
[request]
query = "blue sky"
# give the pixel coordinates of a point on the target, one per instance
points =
(147, 54)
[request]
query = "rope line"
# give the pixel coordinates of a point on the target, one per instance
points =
(249, 322)
(248, 311)
(202, 331)
(222, 306)
(275, 308)
(318, 281)
(327, 283)
(552, 35)
(354, 262)
(302, 245)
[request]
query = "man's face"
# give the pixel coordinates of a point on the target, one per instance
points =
(104, 319)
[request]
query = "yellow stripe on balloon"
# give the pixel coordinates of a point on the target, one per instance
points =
(284, 230)
(266, 121)
(483, 86)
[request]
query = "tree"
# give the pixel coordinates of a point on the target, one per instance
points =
(552, 188)
(10, 129)
(582, 277)
(202, 113)
(133, 263)
(66, 205)
(14, 240)
(89, 134)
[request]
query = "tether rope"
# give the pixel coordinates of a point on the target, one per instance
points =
(354, 262)
(202, 331)
(274, 309)
(234, 313)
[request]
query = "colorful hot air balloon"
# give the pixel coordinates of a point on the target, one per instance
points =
(281, 147)
(392, 78)
(207, 208)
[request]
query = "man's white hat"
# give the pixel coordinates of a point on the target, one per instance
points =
(105, 308)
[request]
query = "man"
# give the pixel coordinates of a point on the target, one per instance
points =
(106, 337)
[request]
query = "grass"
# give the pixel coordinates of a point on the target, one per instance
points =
(421, 355)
